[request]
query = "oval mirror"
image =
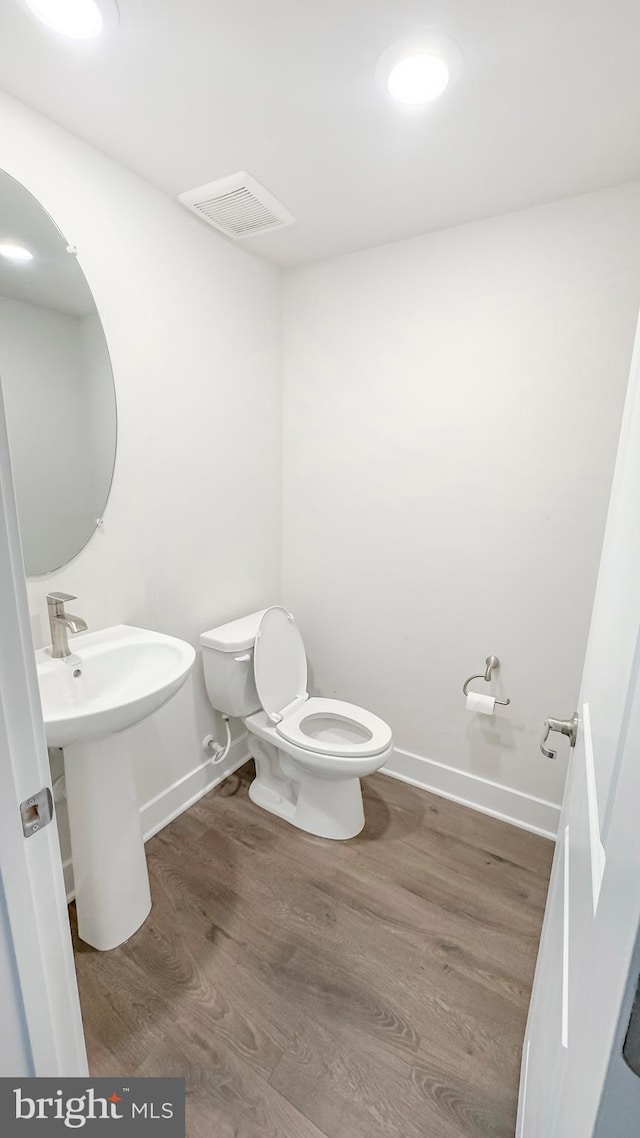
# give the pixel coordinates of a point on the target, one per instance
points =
(57, 385)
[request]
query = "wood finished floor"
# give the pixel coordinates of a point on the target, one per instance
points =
(316, 989)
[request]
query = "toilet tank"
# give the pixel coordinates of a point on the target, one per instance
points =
(227, 656)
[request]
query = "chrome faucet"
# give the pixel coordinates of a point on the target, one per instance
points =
(62, 623)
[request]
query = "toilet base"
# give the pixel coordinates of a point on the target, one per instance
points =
(327, 807)
(269, 799)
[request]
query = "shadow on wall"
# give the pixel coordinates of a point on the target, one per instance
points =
(488, 737)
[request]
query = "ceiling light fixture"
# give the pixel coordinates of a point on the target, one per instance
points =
(418, 78)
(78, 19)
(14, 252)
(418, 69)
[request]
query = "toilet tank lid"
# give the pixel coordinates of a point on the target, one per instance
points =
(236, 636)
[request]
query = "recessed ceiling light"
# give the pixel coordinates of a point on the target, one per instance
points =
(79, 19)
(417, 69)
(418, 79)
(14, 252)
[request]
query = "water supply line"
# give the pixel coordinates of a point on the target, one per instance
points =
(217, 752)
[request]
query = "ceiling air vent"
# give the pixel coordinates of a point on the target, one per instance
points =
(238, 206)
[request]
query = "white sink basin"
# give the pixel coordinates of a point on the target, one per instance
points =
(114, 678)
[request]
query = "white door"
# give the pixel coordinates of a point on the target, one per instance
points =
(41, 1029)
(593, 911)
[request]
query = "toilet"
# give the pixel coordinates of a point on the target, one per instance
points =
(310, 753)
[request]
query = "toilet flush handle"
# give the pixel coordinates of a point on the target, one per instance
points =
(242, 659)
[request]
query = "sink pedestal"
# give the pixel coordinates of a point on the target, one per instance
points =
(109, 863)
(115, 678)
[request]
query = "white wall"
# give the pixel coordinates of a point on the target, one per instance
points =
(191, 530)
(452, 405)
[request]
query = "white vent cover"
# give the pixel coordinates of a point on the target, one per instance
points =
(238, 205)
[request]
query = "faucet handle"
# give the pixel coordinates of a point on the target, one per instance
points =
(54, 599)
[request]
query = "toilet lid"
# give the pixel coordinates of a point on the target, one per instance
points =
(279, 662)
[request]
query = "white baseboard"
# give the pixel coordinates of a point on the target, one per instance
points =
(166, 806)
(524, 810)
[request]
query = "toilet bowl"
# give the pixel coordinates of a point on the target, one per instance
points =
(310, 752)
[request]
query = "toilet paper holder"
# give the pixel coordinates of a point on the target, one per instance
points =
(492, 663)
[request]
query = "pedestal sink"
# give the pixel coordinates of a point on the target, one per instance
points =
(113, 679)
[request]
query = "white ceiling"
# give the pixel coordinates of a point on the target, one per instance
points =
(548, 105)
(53, 279)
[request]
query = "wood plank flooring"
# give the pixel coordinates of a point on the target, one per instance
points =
(315, 989)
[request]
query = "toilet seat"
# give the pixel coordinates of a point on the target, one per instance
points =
(322, 726)
(279, 663)
(312, 724)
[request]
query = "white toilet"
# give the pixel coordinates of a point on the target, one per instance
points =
(310, 753)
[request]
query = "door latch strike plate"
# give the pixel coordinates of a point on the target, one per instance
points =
(36, 812)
